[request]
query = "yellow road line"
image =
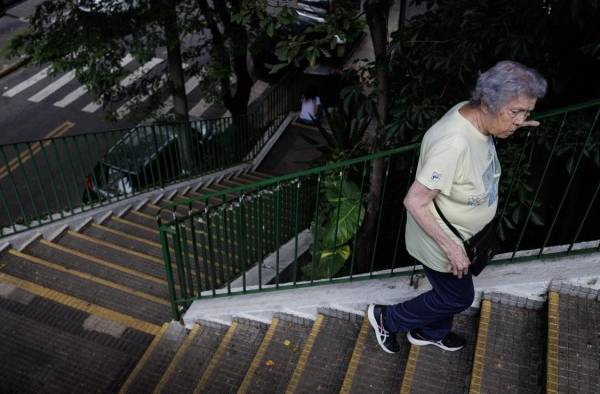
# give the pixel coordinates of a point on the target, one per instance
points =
(409, 370)
(115, 247)
(553, 336)
(140, 365)
(89, 277)
(216, 357)
(484, 322)
(310, 341)
(24, 156)
(259, 356)
(125, 235)
(104, 263)
(173, 364)
(80, 304)
(356, 355)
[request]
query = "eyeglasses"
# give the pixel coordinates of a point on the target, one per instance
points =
(518, 113)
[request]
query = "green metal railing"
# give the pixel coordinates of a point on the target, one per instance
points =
(46, 180)
(550, 181)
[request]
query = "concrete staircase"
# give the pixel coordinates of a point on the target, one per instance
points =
(514, 345)
(80, 307)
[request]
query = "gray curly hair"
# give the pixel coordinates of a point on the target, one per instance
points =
(505, 81)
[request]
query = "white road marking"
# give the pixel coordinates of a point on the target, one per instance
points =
(80, 91)
(190, 85)
(130, 79)
(27, 83)
(53, 87)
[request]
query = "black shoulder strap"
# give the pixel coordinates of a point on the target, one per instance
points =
(450, 226)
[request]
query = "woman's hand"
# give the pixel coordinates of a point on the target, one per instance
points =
(458, 260)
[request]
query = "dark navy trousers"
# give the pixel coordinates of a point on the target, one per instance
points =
(434, 310)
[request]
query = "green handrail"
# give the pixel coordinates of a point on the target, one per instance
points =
(274, 211)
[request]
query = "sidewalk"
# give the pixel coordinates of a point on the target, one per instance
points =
(11, 24)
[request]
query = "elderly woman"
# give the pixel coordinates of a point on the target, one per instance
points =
(459, 169)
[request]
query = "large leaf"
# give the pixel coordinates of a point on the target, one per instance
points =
(328, 263)
(344, 222)
(333, 193)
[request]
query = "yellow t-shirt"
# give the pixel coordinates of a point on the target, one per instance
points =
(462, 164)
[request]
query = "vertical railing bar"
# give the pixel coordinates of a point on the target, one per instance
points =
(62, 175)
(277, 231)
(316, 227)
(219, 243)
(81, 171)
(101, 177)
(140, 160)
(8, 214)
(337, 220)
(227, 249)
(239, 242)
(195, 250)
(204, 246)
(211, 252)
(295, 232)
(585, 216)
(539, 187)
(158, 160)
(179, 258)
(27, 187)
(382, 198)
(169, 271)
(120, 164)
(401, 223)
(188, 267)
(360, 202)
(568, 188)
(260, 239)
(52, 183)
(39, 181)
(516, 174)
(91, 165)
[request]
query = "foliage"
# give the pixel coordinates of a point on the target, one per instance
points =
(214, 39)
(340, 217)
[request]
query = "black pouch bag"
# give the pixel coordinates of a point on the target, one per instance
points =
(481, 247)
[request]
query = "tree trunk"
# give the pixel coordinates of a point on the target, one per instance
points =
(376, 15)
(177, 86)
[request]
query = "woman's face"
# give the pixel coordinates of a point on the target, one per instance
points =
(511, 116)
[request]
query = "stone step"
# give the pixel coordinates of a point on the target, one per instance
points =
(143, 218)
(123, 257)
(231, 360)
(192, 359)
(98, 268)
(129, 227)
(278, 355)
(573, 356)
(326, 354)
(509, 356)
(156, 359)
(432, 370)
(96, 291)
(384, 371)
(49, 347)
(124, 240)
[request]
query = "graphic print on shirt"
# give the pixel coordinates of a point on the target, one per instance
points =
(490, 180)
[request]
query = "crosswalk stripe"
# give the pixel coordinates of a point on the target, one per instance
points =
(190, 85)
(27, 83)
(124, 109)
(53, 87)
(131, 78)
(80, 91)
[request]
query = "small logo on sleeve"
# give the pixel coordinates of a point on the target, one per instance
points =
(435, 176)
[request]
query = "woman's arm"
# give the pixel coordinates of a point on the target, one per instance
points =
(417, 201)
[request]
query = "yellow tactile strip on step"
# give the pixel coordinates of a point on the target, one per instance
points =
(140, 365)
(305, 354)
(409, 371)
(88, 277)
(356, 355)
(81, 305)
(175, 361)
(552, 353)
(216, 358)
(259, 356)
(484, 321)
